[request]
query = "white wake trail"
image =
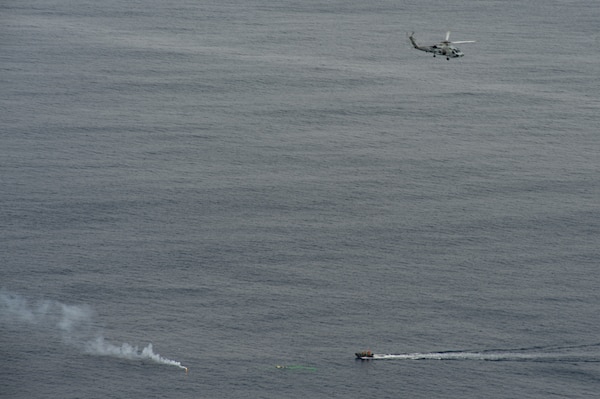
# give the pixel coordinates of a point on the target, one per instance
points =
(571, 354)
(461, 356)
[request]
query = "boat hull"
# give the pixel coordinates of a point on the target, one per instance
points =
(364, 355)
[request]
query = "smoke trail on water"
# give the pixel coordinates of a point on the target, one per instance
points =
(102, 348)
(74, 325)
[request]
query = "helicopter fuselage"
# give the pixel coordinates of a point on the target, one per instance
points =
(444, 49)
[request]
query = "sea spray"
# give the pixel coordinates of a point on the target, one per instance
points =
(74, 324)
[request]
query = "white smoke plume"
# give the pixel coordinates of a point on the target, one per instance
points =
(74, 324)
(100, 347)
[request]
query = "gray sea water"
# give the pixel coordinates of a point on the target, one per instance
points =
(231, 186)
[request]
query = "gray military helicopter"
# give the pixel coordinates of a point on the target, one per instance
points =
(445, 48)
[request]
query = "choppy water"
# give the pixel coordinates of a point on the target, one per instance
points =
(231, 186)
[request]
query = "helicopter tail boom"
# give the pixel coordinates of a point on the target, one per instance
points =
(412, 40)
(415, 45)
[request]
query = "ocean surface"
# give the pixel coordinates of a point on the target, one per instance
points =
(194, 193)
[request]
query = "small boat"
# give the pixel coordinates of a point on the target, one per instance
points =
(364, 355)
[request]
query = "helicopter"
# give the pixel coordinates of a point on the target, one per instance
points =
(445, 48)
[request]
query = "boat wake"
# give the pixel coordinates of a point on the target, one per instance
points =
(574, 354)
